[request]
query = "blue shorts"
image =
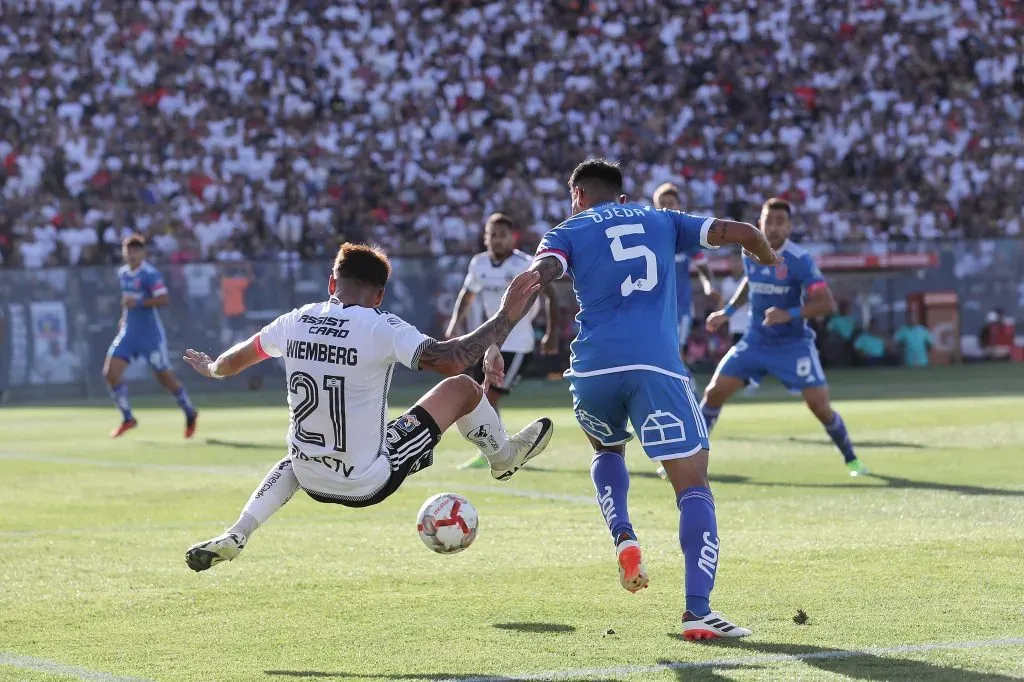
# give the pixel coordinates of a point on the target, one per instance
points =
(661, 408)
(794, 363)
(152, 348)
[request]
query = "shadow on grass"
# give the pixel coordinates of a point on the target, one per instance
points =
(855, 665)
(239, 445)
(536, 627)
(825, 442)
(322, 675)
(894, 482)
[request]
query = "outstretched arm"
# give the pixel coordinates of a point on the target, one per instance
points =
(548, 270)
(455, 355)
(234, 360)
(753, 241)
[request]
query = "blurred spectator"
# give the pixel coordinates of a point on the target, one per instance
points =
(998, 336)
(57, 366)
(915, 340)
(872, 348)
(837, 349)
(408, 122)
(235, 279)
(842, 324)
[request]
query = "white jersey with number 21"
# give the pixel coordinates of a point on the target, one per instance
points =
(339, 361)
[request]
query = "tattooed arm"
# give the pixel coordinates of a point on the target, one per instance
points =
(455, 355)
(753, 241)
(548, 269)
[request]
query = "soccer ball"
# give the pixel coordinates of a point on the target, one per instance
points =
(447, 523)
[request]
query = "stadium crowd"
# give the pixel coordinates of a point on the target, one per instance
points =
(224, 129)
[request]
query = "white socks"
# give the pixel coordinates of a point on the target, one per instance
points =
(483, 428)
(273, 492)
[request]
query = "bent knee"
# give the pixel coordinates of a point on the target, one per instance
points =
(466, 385)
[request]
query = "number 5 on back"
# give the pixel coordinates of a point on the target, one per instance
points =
(621, 253)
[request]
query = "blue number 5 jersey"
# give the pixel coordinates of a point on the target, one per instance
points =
(782, 285)
(621, 258)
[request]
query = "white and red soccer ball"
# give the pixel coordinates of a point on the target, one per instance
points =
(447, 523)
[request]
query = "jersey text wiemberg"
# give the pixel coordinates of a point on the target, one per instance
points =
(321, 352)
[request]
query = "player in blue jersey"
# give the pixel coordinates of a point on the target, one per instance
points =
(779, 342)
(667, 196)
(141, 335)
(625, 365)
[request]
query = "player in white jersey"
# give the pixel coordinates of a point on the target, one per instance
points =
(339, 356)
(489, 274)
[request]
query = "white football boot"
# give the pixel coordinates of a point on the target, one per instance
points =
(711, 626)
(224, 547)
(523, 447)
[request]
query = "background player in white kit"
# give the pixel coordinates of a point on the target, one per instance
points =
(489, 274)
(339, 357)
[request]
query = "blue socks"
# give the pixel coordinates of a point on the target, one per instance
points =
(611, 480)
(837, 431)
(181, 397)
(710, 414)
(698, 536)
(119, 394)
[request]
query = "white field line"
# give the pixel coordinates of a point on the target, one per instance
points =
(626, 670)
(55, 668)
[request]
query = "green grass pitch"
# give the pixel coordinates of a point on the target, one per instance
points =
(928, 551)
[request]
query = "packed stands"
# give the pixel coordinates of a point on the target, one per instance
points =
(230, 129)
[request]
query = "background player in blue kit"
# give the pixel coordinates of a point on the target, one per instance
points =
(667, 196)
(141, 335)
(625, 365)
(779, 342)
